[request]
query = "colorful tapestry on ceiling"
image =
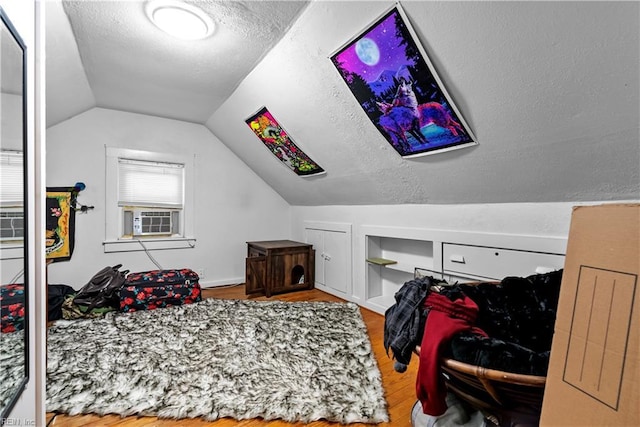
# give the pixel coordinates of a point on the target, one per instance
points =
(276, 139)
(390, 75)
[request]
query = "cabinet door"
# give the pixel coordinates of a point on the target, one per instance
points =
(256, 273)
(336, 257)
(316, 238)
(288, 272)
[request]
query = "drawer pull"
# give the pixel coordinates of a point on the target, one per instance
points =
(457, 258)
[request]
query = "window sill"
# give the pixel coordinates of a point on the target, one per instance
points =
(11, 251)
(134, 245)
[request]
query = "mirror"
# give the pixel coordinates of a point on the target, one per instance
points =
(13, 222)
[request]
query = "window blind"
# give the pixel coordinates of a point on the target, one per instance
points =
(156, 184)
(11, 178)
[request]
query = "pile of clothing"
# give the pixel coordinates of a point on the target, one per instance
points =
(506, 326)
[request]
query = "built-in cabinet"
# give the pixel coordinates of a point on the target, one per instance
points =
(369, 265)
(392, 254)
(332, 244)
(390, 262)
(484, 262)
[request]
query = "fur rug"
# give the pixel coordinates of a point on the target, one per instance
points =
(11, 365)
(300, 362)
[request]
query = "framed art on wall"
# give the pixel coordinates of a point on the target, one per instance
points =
(276, 139)
(390, 75)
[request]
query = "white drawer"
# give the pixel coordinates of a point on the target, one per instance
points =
(496, 263)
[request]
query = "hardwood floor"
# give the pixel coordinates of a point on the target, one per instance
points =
(399, 388)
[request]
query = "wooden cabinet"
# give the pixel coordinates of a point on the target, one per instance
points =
(278, 266)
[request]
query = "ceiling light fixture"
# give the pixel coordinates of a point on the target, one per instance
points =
(179, 19)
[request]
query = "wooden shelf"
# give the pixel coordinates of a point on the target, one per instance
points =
(381, 261)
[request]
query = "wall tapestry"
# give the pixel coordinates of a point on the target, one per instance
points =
(276, 139)
(390, 75)
(60, 223)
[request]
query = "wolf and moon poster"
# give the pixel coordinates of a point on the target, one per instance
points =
(393, 81)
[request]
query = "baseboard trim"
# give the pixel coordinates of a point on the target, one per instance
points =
(221, 282)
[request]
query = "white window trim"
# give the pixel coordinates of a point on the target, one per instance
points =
(114, 240)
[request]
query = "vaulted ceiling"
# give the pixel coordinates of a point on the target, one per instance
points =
(550, 89)
(108, 54)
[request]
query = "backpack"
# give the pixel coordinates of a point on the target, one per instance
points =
(56, 295)
(103, 290)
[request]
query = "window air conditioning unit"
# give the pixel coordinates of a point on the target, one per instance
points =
(11, 224)
(151, 222)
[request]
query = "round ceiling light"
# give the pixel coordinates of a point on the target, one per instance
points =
(179, 19)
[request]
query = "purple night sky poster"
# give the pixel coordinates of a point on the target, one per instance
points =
(388, 75)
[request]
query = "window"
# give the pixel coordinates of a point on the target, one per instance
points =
(152, 197)
(143, 183)
(11, 200)
(149, 197)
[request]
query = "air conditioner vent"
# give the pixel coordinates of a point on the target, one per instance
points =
(151, 222)
(11, 225)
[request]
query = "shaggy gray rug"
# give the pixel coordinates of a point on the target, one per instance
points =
(300, 362)
(11, 365)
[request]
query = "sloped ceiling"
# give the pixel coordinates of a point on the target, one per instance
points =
(108, 54)
(550, 89)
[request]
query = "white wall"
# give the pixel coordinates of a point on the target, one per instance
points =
(233, 205)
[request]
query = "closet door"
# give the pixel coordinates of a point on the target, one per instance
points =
(336, 257)
(332, 244)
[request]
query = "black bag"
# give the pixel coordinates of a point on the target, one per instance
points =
(103, 290)
(55, 297)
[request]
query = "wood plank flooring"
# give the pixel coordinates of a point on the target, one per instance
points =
(399, 388)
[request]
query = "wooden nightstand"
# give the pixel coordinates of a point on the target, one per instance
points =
(278, 266)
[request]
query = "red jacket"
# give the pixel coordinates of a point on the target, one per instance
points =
(445, 319)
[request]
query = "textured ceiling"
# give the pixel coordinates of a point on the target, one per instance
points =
(131, 65)
(550, 90)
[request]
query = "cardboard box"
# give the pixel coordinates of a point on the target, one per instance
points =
(594, 375)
